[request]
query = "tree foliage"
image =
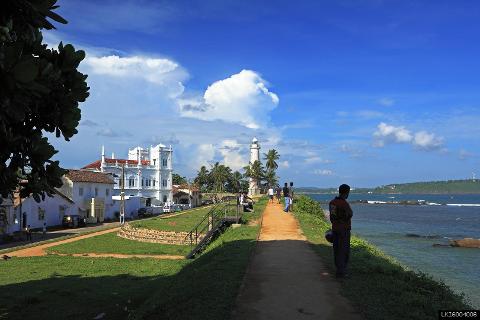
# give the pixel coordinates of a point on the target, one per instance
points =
(40, 92)
(178, 179)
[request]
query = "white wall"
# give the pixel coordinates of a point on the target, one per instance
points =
(51, 206)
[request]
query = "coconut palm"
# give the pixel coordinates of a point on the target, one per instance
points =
(202, 179)
(270, 159)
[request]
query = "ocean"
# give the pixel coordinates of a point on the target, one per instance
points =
(408, 233)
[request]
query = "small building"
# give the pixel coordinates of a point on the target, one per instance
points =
(50, 211)
(91, 193)
(187, 195)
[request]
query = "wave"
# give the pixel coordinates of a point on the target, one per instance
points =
(463, 204)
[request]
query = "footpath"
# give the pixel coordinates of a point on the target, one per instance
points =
(286, 279)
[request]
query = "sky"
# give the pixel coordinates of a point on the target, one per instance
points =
(364, 92)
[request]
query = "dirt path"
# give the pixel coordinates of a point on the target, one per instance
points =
(40, 250)
(124, 256)
(286, 279)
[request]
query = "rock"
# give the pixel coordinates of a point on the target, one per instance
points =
(466, 243)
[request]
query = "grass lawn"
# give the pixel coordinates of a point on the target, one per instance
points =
(111, 243)
(379, 286)
(63, 287)
(183, 222)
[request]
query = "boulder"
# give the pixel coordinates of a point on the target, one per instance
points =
(466, 243)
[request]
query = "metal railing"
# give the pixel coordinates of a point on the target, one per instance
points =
(219, 214)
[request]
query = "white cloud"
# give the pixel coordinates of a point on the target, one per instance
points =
(323, 172)
(242, 98)
(204, 155)
(427, 141)
(421, 140)
(316, 159)
(386, 102)
(231, 153)
(284, 164)
(387, 133)
(158, 71)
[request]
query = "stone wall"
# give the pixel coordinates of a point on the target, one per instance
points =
(154, 236)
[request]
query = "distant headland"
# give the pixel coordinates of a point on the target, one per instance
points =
(469, 186)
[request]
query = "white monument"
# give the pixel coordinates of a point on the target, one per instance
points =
(253, 188)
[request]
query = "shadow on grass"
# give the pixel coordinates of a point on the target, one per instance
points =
(81, 288)
(381, 289)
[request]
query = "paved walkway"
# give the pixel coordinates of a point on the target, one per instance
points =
(286, 279)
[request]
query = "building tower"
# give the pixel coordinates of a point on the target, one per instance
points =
(253, 188)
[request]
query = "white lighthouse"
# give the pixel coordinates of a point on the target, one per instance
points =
(254, 156)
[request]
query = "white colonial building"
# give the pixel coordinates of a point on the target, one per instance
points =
(253, 188)
(148, 173)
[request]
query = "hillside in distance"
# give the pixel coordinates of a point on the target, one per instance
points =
(470, 186)
(434, 187)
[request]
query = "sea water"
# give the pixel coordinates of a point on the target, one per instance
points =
(408, 233)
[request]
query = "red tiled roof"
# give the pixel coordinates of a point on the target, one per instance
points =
(89, 176)
(97, 164)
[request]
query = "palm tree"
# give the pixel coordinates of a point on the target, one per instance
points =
(271, 157)
(219, 174)
(202, 178)
(271, 178)
(235, 182)
(255, 171)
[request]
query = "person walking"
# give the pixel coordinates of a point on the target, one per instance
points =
(270, 194)
(279, 194)
(290, 191)
(29, 233)
(286, 194)
(44, 229)
(341, 218)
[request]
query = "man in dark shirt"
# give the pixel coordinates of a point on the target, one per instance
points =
(341, 218)
(286, 194)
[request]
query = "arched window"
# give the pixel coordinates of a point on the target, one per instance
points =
(131, 181)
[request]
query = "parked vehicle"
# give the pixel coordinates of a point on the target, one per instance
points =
(170, 207)
(74, 221)
(207, 202)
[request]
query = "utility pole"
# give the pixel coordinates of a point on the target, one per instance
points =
(122, 196)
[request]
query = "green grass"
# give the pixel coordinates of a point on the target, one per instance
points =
(183, 222)
(64, 287)
(379, 286)
(111, 243)
(80, 288)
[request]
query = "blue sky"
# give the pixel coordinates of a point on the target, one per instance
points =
(364, 92)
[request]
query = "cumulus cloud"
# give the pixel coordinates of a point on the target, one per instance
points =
(425, 140)
(323, 172)
(242, 98)
(231, 152)
(391, 134)
(158, 71)
(387, 133)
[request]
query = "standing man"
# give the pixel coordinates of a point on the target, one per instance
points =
(286, 194)
(341, 218)
(270, 194)
(290, 189)
(278, 190)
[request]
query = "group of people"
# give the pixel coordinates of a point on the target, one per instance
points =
(287, 194)
(244, 201)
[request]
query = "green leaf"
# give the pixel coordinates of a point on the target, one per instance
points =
(25, 71)
(55, 17)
